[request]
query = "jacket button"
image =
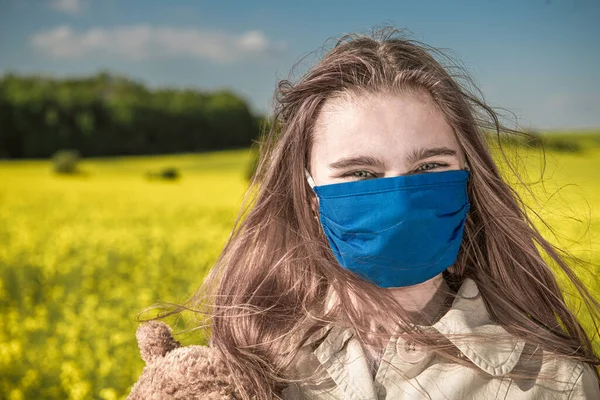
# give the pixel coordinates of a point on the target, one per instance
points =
(409, 351)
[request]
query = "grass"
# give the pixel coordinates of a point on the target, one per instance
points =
(81, 255)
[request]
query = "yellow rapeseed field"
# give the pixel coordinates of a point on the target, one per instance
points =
(81, 255)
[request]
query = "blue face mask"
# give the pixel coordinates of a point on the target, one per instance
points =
(397, 231)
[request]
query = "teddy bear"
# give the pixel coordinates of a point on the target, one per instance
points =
(179, 372)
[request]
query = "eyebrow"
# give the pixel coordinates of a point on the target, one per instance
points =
(367, 161)
(411, 158)
(422, 153)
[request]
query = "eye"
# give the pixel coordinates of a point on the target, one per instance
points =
(363, 174)
(430, 165)
(360, 174)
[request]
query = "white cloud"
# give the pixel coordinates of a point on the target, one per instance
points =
(142, 42)
(72, 7)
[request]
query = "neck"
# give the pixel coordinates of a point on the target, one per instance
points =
(424, 301)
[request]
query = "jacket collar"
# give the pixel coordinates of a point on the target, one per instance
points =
(468, 316)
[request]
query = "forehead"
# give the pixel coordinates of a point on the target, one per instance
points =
(388, 124)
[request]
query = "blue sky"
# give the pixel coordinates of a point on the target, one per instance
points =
(537, 58)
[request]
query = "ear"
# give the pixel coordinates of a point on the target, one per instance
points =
(155, 340)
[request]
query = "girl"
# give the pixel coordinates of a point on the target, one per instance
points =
(383, 256)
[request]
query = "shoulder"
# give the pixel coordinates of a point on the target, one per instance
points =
(558, 377)
(309, 377)
(586, 384)
(536, 372)
(305, 362)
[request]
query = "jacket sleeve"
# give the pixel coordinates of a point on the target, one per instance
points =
(587, 385)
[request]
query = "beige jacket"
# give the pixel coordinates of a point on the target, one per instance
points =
(339, 369)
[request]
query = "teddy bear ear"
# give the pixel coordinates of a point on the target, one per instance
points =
(155, 340)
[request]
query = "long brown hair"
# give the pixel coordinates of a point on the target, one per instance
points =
(267, 293)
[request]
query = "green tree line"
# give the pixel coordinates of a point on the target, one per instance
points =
(105, 115)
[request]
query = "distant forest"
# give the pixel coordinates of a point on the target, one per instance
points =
(106, 115)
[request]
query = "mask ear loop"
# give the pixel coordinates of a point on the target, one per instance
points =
(309, 179)
(311, 183)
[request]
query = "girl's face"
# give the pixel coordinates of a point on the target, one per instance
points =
(381, 135)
